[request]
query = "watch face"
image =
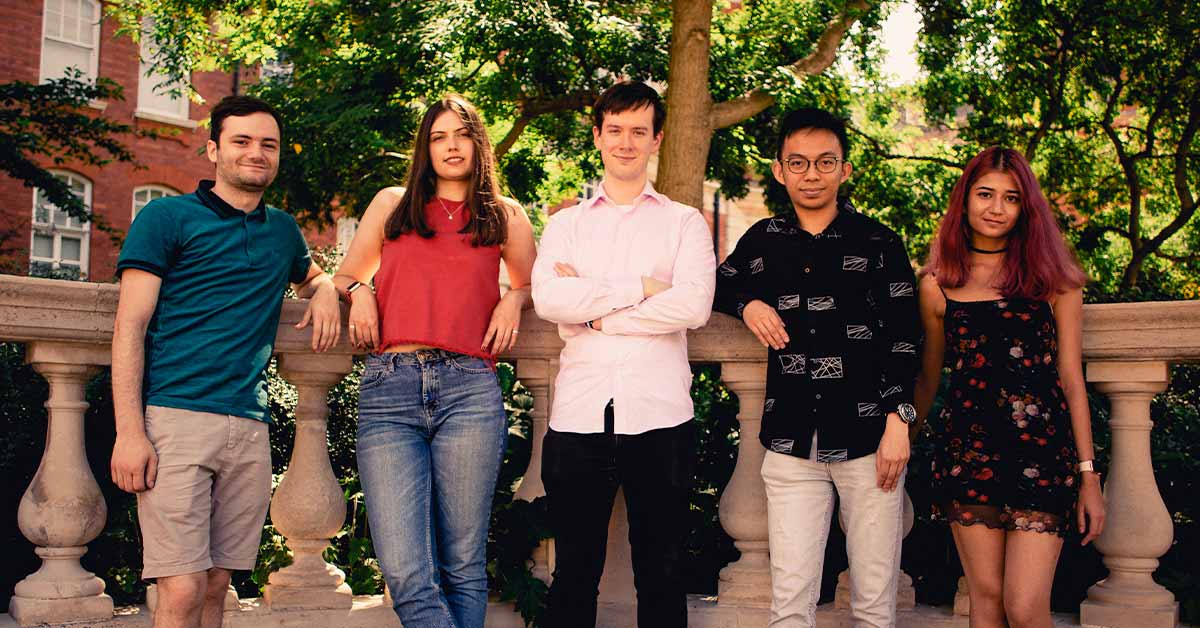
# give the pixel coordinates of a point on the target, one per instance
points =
(907, 413)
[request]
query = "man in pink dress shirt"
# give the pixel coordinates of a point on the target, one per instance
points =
(625, 274)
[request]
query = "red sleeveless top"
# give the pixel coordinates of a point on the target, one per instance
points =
(438, 291)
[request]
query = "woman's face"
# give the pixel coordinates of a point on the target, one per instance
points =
(451, 148)
(993, 205)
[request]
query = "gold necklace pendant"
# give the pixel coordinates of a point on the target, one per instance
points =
(449, 214)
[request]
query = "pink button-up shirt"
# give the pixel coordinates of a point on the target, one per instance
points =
(639, 360)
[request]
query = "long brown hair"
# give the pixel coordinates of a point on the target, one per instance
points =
(488, 222)
(1038, 265)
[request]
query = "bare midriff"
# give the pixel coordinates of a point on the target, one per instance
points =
(406, 348)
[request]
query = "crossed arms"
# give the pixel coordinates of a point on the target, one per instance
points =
(632, 305)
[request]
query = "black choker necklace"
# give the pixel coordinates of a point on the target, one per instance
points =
(985, 251)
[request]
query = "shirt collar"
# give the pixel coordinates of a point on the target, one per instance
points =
(210, 199)
(788, 223)
(648, 194)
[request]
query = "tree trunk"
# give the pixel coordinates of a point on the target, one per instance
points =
(1130, 277)
(687, 133)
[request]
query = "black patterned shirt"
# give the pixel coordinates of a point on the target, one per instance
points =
(847, 298)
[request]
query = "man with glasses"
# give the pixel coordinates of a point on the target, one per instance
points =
(830, 293)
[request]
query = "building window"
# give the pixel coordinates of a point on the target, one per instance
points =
(590, 189)
(157, 96)
(346, 228)
(147, 193)
(70, 38)
(59, 246)
(279, 69)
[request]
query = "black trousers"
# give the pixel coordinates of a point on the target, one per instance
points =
(581, 473)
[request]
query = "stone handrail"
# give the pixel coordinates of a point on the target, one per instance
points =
(68, 327)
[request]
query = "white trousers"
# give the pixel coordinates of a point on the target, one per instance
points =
(799, 511)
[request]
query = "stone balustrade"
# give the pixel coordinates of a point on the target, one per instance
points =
(67, 327)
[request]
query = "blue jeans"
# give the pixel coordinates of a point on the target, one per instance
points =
(431, 433)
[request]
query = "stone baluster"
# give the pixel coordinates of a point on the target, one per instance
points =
(906, 594)
(63, 509)
(743, 507)
(537, 376)
(1138, 529)
(308, 506)
(962, 598)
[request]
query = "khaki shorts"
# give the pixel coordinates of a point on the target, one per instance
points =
(211, 495)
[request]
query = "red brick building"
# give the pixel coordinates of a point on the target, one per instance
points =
(38, 40)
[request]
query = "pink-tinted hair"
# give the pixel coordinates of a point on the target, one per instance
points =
(1038, 264)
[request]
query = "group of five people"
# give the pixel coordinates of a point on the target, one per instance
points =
(856, 350)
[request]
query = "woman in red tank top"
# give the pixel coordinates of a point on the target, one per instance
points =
(431, 421)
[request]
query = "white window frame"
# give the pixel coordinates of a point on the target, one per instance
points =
(154, 187)
(93, 69)
(346, 228)
(275, 69)
(590, 188)
(149, 80)
(57, 232)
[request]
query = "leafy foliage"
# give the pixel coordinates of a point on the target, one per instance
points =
(1106, 103)
(52, 121)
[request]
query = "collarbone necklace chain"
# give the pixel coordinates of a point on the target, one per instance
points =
(450, 214)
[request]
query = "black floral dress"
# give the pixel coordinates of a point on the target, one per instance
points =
(1006, 455)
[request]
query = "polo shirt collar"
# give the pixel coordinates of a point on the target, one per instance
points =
(648, 193)
(210, 199)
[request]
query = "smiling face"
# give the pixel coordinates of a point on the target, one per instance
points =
(811, 190)
(625, 141)
(993, 207)
(247, 156)
(451, 147)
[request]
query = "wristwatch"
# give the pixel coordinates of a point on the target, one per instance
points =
(907, 413)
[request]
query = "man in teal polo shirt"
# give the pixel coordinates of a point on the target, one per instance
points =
(202, 278)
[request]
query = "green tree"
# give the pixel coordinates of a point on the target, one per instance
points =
(1104, 101)
(359, 70)
(52, 121)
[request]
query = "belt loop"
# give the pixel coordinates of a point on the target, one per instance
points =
(391, 362)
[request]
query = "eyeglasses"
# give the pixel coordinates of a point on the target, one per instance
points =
(799, 165)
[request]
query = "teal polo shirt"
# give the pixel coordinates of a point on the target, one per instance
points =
(224, 272)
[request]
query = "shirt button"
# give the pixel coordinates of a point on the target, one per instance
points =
(818, 396)
(807, 269)
(812, 331)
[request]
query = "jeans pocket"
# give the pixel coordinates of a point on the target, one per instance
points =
(375, 372)
(470, 364)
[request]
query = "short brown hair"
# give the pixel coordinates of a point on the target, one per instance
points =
(238, 106)
(625, 96)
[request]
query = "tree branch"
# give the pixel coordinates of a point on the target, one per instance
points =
(1183, 190)
(1128, 168)
(731, 112)
(1110, 229)
(1054, 110)
(1194, 257)
(531, 108)
(878, 148)
(511, 138)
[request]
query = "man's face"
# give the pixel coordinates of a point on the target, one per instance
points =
(625, 141)
(247, 157)
(811, 151)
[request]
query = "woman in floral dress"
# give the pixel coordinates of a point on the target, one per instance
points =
(1002, 305)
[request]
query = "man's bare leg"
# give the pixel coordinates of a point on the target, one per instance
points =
(180, 600)
(214, 597)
